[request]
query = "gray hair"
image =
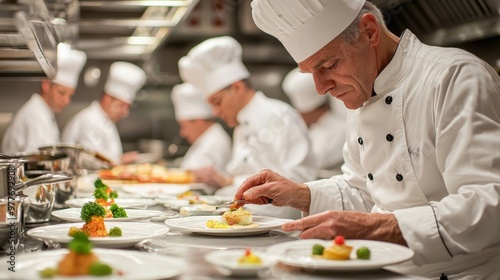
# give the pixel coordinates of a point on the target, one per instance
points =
(351, 33)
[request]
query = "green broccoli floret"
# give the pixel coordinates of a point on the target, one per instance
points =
(118, 212)
(115, 231)
(100, 193)
(99, 184)
(113, 195)
(90, 209)
(80, 243)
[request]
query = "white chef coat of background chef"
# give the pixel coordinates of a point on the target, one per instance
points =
(270, 133)
(327, 133)
(423, 148)
(34, 125)
(91, 127)
(212, 147)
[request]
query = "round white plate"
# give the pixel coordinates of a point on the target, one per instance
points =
(73, 215)
(132, 233)
(176, 203)
(122, 202)
(198, 224)
(299, 253)
(155, 189)
(226, 262)
(134, 265)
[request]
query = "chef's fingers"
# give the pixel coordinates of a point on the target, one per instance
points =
(256, 180)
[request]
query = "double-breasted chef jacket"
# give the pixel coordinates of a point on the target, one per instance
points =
(93, 129)
(425, 148)
(212, 148)
(33, 126)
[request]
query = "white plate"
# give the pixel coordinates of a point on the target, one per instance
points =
(133, 233)
(122, 202)
(176, 203)
(226, 262)
(134, 265)
(197, 224)
(73, 215)
(155, 190)
(299, 253)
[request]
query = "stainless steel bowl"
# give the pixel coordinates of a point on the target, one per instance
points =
(55, 161)
(74, 153)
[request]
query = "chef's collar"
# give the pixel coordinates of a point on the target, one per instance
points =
(245, 114)
(394, 72)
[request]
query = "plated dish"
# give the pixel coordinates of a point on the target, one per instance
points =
(147, 173)
(132, 233)
(153, 190)
(123, 202)
(227, 262)
(198, 224)
(133, 265)
(299, 253)
(73, 215)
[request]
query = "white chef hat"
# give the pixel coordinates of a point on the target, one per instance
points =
(70, 63)
(189, 103)
(301, 91)
(304, 26)
(213, 65)
(124, 80)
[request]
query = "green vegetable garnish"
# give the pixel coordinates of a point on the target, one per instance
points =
(48, 272)
(113, 194)
(90, 209)
(318, 249)
(100, 193)
(363, 253)
(80, 244)
(118, 212)
(99, 184)
(115, 232)
(100, 269)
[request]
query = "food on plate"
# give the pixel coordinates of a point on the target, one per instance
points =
(237, 216)
(117, 211)
(103, 194)
(363, 253)
(93, 215)
(233, 218)
(147, 173)
(115, 232)
(249, 258)
(80, 260)
(339, 250)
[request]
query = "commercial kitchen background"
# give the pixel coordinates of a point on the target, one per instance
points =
(473, 25)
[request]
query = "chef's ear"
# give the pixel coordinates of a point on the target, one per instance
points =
(369, 29)
(45, 85)
(238, 87)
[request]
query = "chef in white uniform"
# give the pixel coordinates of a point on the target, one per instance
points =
(95, 126)
(325, 120)
(421, 167)
(34, 125)
(268, 133)
(210, 145)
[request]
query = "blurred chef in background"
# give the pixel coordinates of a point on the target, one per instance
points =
(326, 122)
(34, 125)
(94, 127)
(210, 143)
(268, 133)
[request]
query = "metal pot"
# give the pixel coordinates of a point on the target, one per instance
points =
(54, 162)
(12, 218)
(73, 151)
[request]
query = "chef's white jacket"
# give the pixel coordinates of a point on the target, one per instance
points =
(426, 149)
(270, 134)
(212, 148)
(93, 129)
(327, 136)
(33, 126)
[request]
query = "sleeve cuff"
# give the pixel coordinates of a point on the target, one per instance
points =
(421, 232)
(325, 195)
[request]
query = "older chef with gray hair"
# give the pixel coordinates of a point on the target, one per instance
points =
(94, 127)
(421, 168)
(268, 133)
(210, 143)
(325, 118)
(34, 125)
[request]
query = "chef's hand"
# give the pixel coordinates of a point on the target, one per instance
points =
(350, 224)
(269, 187)
(211, 177)
(129, 157)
